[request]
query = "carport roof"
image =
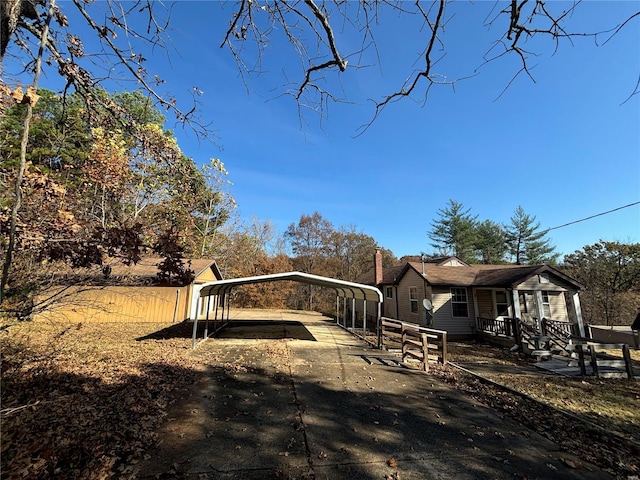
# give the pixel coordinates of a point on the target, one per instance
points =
(343, 288)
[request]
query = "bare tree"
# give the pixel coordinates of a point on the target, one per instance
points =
(321, 33)
(317, 34)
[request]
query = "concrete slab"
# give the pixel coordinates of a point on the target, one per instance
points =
(332, 408)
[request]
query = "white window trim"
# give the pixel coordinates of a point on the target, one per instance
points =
(495, 303)
(412, 300)
(466, 302)
(547, 304)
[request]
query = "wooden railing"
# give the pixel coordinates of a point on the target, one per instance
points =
(590, 349)
(418, 343)
(496, 326)
(559, 333)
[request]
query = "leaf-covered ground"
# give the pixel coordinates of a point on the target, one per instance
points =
(83, 401)
(612, 405)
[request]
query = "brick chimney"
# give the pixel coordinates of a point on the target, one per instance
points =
(377, 267)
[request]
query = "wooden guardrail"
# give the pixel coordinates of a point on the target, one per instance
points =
(559, 333)
(495, 326)
(590, 349)
(416, 342)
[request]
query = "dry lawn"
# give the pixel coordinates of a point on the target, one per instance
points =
(613, 404)
(610, 438)
(83, 400)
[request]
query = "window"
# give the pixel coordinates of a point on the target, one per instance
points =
(413, 299)
(502, 304)
(459, 306)
(389, 292)
(546, 306)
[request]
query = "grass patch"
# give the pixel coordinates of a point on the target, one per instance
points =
(611, 403)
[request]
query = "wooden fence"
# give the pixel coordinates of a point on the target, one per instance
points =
(608, 334)
(415, 342)
(119, 304)
(589, 349)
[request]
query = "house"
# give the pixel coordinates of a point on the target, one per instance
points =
(130, 293)
(448, 294)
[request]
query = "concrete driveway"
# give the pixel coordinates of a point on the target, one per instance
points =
(295, 396)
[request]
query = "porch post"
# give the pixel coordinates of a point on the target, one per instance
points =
(578, 311)
(515, 295)
(474, 292)
(537, 295)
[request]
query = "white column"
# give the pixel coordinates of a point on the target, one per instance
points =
(537, 295)
(515, 297)
(578, 312)
(475, 306)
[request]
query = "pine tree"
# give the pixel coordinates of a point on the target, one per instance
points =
(526, 243)
(455, 231)
(490, 244)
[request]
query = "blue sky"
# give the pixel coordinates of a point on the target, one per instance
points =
(564, 147)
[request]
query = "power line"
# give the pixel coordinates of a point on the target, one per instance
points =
(592, 216)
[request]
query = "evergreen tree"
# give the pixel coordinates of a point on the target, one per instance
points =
(490, 244)
(526, 243)
(454, 233)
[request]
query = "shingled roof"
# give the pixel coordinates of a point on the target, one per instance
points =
(145, 272)
(389, 276)
(502, 276)
(148, 267)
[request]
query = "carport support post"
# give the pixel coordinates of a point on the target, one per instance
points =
(195, 331)
(344, 312)
(206, 323)
(353, 315)
(378, 321)
(215, 315)
(337, 309)
(364, 320)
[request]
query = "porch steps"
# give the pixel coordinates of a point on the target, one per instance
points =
(541, 354)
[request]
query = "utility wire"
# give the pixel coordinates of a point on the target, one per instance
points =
(592, 216)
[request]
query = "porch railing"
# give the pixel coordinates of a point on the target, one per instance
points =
(559, 333)
(522, 332)
(496, 326)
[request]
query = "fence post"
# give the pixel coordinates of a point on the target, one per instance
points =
(583, 368)
(425, 352)
(594, 361)
(403, 338)
(627, 361)
(444, 348)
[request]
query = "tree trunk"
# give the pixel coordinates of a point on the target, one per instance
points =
(23, 153)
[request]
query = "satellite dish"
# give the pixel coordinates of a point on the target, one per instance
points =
(426, 303)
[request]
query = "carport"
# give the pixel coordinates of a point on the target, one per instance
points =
(217, 296)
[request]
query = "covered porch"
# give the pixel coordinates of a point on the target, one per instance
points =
(539, 313)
